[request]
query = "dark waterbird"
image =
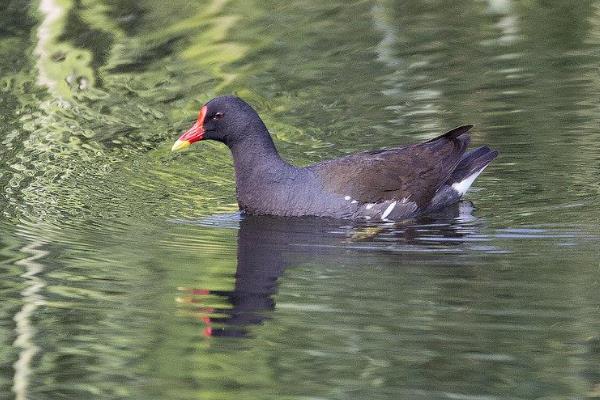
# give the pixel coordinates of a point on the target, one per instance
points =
(388, 184)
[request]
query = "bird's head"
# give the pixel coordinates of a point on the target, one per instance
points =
(227, 119)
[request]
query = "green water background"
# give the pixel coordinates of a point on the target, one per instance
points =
(107, 280)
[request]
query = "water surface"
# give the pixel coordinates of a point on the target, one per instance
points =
(126, 273)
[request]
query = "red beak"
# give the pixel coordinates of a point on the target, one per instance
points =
(194, 134)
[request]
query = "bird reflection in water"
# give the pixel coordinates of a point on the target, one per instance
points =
(267, 245)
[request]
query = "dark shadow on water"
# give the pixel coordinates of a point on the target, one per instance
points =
(268, 245)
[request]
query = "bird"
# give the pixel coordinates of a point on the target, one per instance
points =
(387, 184)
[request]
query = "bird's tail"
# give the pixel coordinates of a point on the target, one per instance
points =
(471, 164)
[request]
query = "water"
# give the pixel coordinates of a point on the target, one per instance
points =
(126, 273)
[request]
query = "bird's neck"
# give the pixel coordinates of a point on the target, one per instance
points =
(257, 162)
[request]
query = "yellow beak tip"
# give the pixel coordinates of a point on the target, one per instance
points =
(180, 145)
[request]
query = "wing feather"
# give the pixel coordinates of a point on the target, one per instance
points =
(413, 172)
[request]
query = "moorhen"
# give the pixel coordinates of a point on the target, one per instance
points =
(388, 184)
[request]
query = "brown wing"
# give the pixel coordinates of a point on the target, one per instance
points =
(414, 172)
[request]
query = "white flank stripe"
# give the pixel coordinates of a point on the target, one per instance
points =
(464, 185)
(388, 210)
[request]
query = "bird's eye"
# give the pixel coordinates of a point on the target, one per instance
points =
(218, 115)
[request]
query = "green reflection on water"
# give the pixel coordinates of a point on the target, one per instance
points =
(105, 295)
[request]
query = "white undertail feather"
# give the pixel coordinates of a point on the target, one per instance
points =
(464, 185)
(388, 210)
